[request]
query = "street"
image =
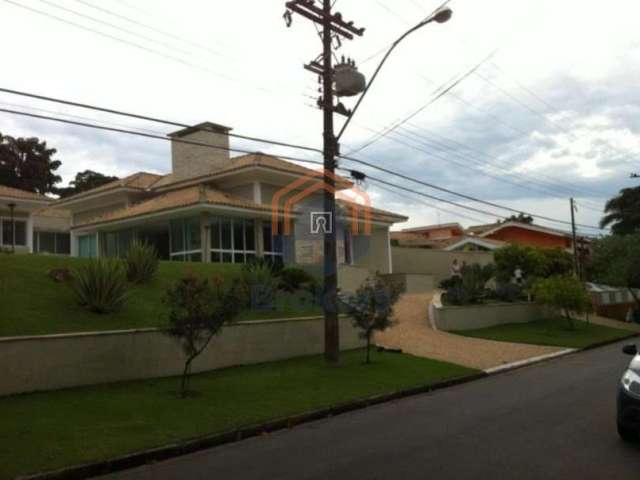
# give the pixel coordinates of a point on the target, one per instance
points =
(551, 420)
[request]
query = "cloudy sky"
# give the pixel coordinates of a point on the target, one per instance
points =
(553, 110)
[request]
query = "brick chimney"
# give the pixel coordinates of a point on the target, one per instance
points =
(188, 160)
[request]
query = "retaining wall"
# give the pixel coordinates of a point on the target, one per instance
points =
(470, 317)
(436, 263)
(58, 361)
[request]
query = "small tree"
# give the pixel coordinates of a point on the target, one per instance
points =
(564, 293)
(530, 260)
(142, 262)
(198, 311)
(371, 307)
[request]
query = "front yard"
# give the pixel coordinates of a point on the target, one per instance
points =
(34, 304)
(44, 431)
(553, 332)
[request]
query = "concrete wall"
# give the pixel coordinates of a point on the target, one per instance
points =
(350, 277)
(470, 317)
(372, 251)
(433, 262)
(59, 361)
(413, 283)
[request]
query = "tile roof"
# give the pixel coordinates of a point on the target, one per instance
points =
(10, 192)
(376, 213)
(176, 199)
(139, 181)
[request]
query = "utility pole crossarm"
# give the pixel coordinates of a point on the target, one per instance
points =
(309, 10)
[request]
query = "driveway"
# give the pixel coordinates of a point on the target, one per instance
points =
(553, 420)
(414, 334)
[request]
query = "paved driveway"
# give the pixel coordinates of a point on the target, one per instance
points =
(554, 420)
(413, 334)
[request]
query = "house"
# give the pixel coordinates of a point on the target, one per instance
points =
(452, 237)
(496, 235)
(216, 208)
(28, 224)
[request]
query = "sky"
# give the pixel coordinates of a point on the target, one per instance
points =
(551, 112)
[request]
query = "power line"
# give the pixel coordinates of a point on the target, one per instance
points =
(148, 135)
(142, 117)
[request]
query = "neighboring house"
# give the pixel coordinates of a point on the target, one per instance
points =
(215, 208)
(452, 237)
(29, 225)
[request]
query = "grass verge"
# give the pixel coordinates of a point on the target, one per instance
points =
(45, 431)
(554, 332)
(33, 304)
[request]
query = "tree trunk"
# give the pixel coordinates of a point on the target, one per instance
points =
(567, 314)
(185, 376)
(368, 347)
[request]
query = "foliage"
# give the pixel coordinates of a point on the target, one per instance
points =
(198, 310)
(530, 260)
(521, 218)
(142, 262)
(555, 262)
(615, 261)
(27, 164)
(101, 285)
(508, 292)
(292, 279)
(259, 279)
(469, 288)
(371, 307)
(623, 212)
(565, 293)
(84, 181)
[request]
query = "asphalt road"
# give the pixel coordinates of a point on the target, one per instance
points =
(554, 420)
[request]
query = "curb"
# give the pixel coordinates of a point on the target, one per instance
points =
(125, 462)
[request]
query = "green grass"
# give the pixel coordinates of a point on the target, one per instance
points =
(45, 431)
(33, 304)
(553, 332)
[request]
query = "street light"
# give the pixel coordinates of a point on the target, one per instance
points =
(441, 15)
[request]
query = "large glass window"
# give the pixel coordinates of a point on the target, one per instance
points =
(232, 240)
(185, 240)
(52, 242)
(116, 244)
(87, 246)
(273, 244)
(14, 233)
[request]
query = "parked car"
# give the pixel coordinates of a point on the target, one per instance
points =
(628, 415)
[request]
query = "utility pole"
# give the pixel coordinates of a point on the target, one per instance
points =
(573, 235)
(333, 27)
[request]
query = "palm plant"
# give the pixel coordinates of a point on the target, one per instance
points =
(623, 212)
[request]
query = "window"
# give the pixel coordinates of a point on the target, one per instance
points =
(116, 244)
(52, 242)
(185, 240)
(273, 244)
(87, 246)
(232, 240)
(14, 236)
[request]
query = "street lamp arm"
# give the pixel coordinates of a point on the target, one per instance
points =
(375, 73)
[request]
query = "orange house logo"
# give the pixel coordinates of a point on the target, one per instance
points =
(315, 186)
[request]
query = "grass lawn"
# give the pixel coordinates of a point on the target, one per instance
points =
(44, 431)
(553, 332)
(34, 304)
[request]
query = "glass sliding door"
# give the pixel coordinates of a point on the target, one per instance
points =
(185, 240)
(232, 240)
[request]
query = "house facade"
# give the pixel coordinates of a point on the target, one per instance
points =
(28, 224)
(216, 208)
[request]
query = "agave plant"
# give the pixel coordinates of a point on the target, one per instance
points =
(101, 285)
(142, 262)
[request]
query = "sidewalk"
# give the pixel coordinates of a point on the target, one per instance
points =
(414, 335)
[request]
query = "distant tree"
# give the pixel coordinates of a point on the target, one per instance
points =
(371, 307)
(623, 212)
(615, 261)
(566, 293)
(85, 181)
(521, 218)
(198, 311)
(27, 164)
(529, 259)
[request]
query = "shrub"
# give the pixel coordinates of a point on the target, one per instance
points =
(556, 262)
(198, 311)
(508, 292)
(565, 293)
(530, 260)
(142, 262)
(292, 279)
(101, 285)
(371, 307)
(260, 281)
(470, 286)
